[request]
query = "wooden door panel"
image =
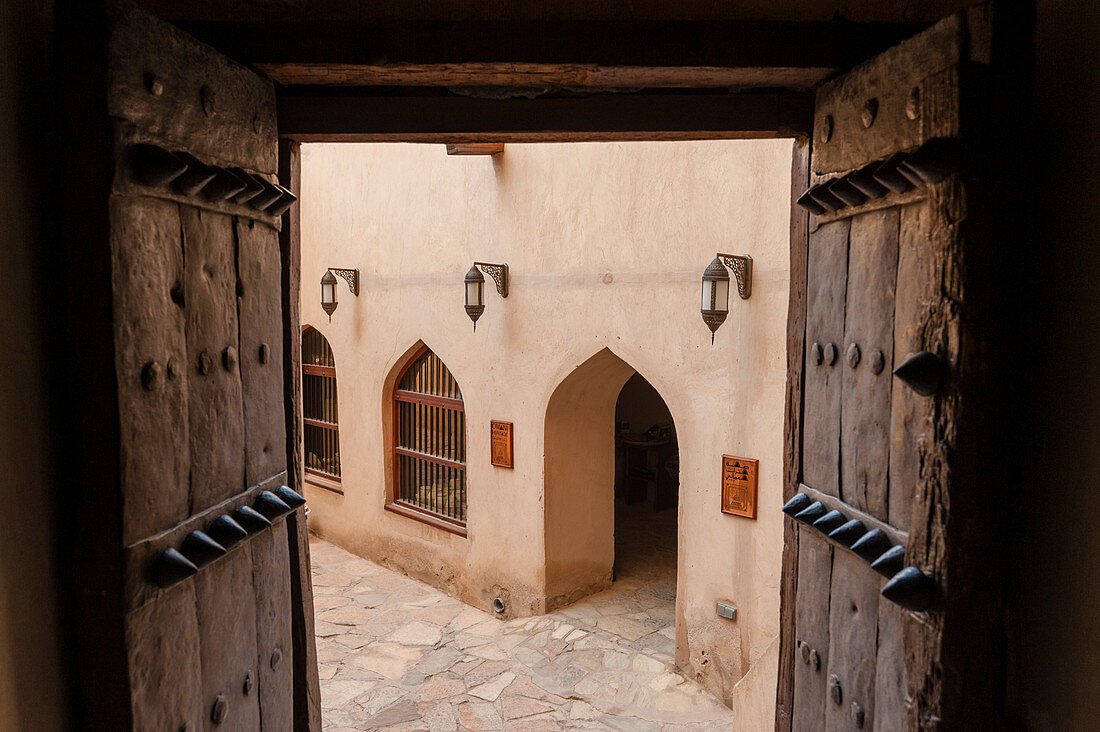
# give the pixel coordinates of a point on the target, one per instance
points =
(162, 639)
(916, 296)
(214, 399)
(868, 337)
(890, 682)
(259, 278)
(226, 602)
(271, 562)
(827, 275)
(216, 636)
(853, 627)
(151, 360)
(207, 105)
(815, 567)
(885, 249)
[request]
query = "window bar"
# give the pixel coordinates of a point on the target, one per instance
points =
(436, 494)
(439, 437)
(403, 475)
(415, 487)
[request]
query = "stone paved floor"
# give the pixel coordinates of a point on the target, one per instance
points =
(398, 655)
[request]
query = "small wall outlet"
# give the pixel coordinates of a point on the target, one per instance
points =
(726, 611)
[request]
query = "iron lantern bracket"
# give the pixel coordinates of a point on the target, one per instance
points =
(499, 273)
(351, 276)
(741, 266)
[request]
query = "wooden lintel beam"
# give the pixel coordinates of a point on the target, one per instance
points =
(405, 46)
(319, 115)
(545, 76)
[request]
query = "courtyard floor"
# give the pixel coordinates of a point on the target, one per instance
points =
(396, 654)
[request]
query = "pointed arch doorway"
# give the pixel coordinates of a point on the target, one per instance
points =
(610, 499)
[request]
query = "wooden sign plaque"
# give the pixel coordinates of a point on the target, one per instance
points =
(739, 486)
(500, 434)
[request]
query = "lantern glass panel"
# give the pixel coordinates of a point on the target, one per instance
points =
(475, 293)
(721, 295)
(328, 293)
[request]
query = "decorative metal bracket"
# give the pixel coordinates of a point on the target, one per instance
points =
(741, 266)
(499, 273)
(351, 276)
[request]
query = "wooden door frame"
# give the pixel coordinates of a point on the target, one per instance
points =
(792, 427)
(794, 124)
(88, 510)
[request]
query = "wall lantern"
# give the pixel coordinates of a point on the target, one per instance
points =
(328, 287)
(475, 287)
(716, 287)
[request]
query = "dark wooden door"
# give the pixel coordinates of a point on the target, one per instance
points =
(215, 565)
(876, 363)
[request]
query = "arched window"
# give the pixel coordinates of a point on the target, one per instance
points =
(319, 414)
(429, 445)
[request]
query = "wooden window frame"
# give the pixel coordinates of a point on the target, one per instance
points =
(312, 476)
(393, 503)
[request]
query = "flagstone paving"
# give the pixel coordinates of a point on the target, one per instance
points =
(395, 654)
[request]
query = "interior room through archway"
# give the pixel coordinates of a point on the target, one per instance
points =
(647, 487)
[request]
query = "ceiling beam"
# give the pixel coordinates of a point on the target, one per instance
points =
(558, 54)
(388, 114)
(544, 76)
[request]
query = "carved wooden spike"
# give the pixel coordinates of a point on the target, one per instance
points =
(270, 194)
(871, 545)
(197, 175)
(887, 174)
(223, 185)
(290, 497)
(173, 567)
(864, 180)
(226, 531)
(832, 520)
(933, 162)
(270, 506)
(811, 513)
(201, 549)
(845, 191)
(910, 588)
(922, 372)
(282, 203)
(252, 520)
(848, 533)
(807, 202)
(909, 174)
(891, 562)
(252, 187)
(156, 166)
(825, 197)
(796, 504)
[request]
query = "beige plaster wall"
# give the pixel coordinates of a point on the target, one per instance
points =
(606, 244)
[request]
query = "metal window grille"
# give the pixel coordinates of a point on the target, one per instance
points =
(430, 441)
(319, 414)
